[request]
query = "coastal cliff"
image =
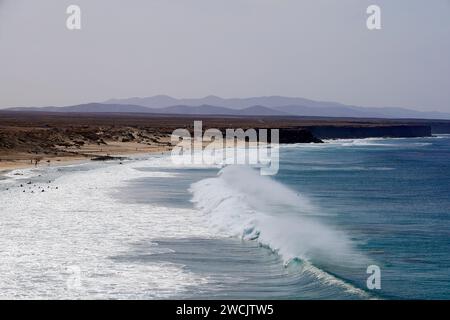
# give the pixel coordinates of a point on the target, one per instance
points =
(315, 134)
(32, 136)
(383, 131)
(297, 135)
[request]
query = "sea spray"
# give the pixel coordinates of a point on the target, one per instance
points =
(240, 202)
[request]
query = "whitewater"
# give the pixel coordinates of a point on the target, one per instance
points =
(151, 229)
(72, 223)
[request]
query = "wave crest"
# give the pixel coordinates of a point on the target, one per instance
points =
(240, 202)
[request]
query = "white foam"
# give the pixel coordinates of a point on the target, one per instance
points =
(21, 174)
(240, 202)
(376, 142)
(81, 224)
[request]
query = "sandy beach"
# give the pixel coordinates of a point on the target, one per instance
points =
(14, 160)
(29, 139)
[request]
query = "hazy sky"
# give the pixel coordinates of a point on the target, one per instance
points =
(317, 49)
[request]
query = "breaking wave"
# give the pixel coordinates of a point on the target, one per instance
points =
(241, 203)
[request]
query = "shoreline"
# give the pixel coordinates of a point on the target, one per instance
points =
(28, 140)
(19, 161)
(112, 149)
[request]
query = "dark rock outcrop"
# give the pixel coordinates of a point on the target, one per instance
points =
(286, 135)
(297, 135)
(107, 158)
(384, 131)
(440, 127)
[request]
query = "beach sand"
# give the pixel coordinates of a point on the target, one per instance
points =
(14, 160)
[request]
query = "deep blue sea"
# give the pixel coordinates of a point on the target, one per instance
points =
(393, 197)
(150, 229)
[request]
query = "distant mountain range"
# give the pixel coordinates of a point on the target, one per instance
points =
(256, 106)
